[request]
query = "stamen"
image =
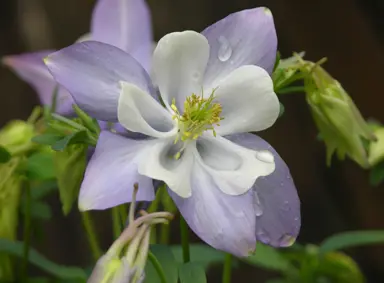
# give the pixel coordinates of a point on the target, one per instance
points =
(200, 114)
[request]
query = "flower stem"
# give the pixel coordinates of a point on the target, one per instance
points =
(156, 264)
(116, 222)
(88, 225)
(227, 268)
(27, 233)
(184, 239)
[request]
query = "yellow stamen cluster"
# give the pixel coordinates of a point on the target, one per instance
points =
(200, 114)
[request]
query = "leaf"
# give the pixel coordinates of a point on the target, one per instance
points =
(5, 156)
(351, 239)
(70, 167)
(39, 210)
(376, 176)
(74, 138)
(60, 271)
(168, 262)
(40, 166)
(42, 189)
(268, 258)
(192, 273)
(200, 254)
(47, 139)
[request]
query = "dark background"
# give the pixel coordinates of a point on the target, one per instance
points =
(348, 32)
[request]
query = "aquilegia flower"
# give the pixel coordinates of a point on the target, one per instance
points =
(215, 86)
(123, 23)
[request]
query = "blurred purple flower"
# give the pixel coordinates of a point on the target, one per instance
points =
(214, 173)
(123, 23)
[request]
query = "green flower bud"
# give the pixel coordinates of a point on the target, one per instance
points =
(129, 268)
(339, 121)
(16, 136)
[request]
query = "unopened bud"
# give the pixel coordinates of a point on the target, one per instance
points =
(16, 134)
(338, 120)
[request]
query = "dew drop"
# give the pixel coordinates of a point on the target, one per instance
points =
(265, 156)
(263, 237)
(257, 205)
(286, 206)
(225, 50)
(196, 76)
(286, 240)
(282, 184)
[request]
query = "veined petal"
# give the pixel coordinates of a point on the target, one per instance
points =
(248, 101)
(275, 197)
(179, 63)
(223, 221)
(91, 71)
(140, 112)
(160, 163)
(125, 24)
(112, 172)
(233, 168)
(243, 38)
(30, 67)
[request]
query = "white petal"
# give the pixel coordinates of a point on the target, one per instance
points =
(159, 163)
(248, 101)
(179, 62)
(140, 112)
(233, 168)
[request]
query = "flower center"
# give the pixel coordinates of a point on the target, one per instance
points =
(200, 114)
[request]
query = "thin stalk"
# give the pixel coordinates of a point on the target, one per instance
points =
(116, 221)
(91, 234)
(227, 270)
(27, 233)
(184, 239)
(156, 264)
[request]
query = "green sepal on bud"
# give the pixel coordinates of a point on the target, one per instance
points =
(341, 126)
(16, 137)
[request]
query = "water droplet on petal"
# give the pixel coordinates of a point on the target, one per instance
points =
(265, 156)
(257, 205)
(289, 177)
(263, 237)
(225, 49)
(286, 206)
(196, 76)
(282, 184)
(286, 240)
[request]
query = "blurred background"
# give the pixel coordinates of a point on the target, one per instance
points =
(349, 32)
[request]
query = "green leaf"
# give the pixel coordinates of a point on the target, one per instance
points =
(268, 258)
(70, 167)
(376, 176)
(47, 139)
(351, 239)
(201, 254)
(74, 138)
(43, 189)
(5, 156)
(168, 262)
(59, 271)
(39, 210)
(192, 273)
(40, 166)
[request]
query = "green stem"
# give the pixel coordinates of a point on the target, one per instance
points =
(164, 234)
(227, 268)
(184, 239)
(291, 89)
(27, 233)
(116, 222)
(156, 264)
(91, 234)
(123, 214)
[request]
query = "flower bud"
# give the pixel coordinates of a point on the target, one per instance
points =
(338, 120)
(112, 268)
(15, 135)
